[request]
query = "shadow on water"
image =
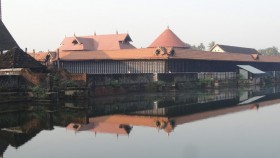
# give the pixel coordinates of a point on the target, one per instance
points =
(21, 122)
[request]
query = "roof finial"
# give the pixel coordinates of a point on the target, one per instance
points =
(167, 26)
(74, 34)
(94, 33)
(117, 32)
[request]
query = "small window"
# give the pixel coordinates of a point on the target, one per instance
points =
(75, 42)
(157, 52)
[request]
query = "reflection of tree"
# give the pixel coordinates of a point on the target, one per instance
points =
(20, 124)
(17, 139)
(3, 147)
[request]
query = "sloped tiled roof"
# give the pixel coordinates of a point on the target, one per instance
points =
(97, 42)
(150, 53)
(205, 55)
(125, 54)
(234, 49)
(7, 42)
(17, 58)
(41, 56)
(168, 39)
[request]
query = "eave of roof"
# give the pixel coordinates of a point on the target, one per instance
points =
(149, 54)
(125, 54)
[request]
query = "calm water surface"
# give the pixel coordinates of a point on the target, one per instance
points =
(210, 124)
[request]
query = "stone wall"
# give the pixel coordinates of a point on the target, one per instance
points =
(34, 78)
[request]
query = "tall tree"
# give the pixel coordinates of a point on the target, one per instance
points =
(270, 51)
(211, 44)
(199, 47)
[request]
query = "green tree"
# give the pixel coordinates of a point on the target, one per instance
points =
(211, 44)
(270, 51)
(199, 47)
(194, 47)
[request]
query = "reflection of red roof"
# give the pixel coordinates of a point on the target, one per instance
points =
(168, 39)
(100, 127)
(149, 121)
(96, 42)
(219, 112)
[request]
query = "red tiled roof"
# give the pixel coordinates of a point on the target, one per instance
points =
(41, 56)
(150, 53)
(97, 42)
(168, 39)
(125, 54)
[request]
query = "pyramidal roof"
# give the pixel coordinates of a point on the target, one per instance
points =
(17, 58)
(168, 39)
(7, 42)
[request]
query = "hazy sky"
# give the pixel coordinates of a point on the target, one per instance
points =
(42, 24)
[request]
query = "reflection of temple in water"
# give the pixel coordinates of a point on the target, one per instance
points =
(118, 115)
(173, 110)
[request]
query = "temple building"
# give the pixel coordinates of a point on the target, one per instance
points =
(166, 54)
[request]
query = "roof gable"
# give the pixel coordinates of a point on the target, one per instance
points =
(97, 42)
(234, 49)
(7, 42)
(168, 39)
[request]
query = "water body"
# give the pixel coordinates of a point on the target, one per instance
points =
(215, 123)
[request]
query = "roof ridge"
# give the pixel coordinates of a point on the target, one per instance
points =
(234, 46)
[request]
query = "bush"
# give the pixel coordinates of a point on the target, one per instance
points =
(38, 91)
(69, 83)
(204, 82)
(115, 84)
